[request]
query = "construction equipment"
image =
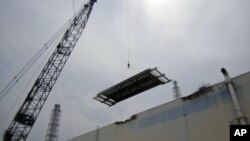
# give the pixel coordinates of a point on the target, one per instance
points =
(26, 116)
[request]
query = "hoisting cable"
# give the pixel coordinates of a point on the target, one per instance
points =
(31, 62)
(128, 38)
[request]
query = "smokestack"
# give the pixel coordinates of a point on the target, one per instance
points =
(238, 110)
(53, 126)
(176, 90)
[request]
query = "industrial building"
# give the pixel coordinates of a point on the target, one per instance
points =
(204, 115)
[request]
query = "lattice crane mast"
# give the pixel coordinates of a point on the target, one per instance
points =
(26, 116)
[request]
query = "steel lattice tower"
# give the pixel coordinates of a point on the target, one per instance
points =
(176, 90)
(53, 126)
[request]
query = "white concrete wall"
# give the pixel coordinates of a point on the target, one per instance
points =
(204, 118)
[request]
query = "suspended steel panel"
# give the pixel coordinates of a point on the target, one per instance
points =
(134, 85)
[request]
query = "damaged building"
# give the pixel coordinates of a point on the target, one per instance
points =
(204, 115)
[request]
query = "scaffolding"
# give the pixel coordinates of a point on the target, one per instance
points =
(132, 86)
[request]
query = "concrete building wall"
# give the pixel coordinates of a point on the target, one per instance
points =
(202, 116)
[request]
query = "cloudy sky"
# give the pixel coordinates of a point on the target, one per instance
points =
(188, 40)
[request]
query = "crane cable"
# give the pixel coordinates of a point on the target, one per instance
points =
(31, 62)
(30, 80)
(73, 3)
(128, 37)
(52, 42)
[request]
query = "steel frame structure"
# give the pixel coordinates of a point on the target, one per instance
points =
(134, 85)
(32, 105)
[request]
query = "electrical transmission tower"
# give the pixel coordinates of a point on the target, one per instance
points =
(53, 126)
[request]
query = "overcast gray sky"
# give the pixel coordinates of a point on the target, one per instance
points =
(188, 40)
